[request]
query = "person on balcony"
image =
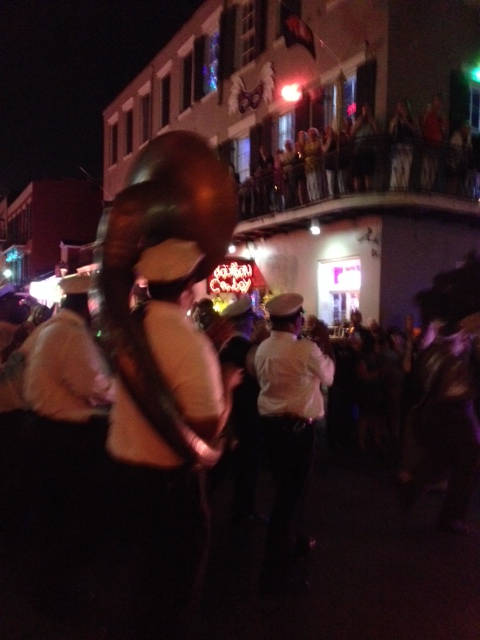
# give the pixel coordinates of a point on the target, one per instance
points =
(288, 163)
(263, 182)
(363, 164)
(459, 159)
(402, 132)
(300, 181)
(345, 156)
(278, 182)
(313, 164)
(329, 148)
(434, 129)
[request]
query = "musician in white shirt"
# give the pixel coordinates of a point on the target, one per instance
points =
(290, 372)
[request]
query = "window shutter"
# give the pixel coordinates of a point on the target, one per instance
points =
(199, 63)
(459, 99)
(267, 130)
(260, 26)
(365, 90)
(318, 109)
(187, 81)
(288, 8)
(225, 152)
(226, 65)
(255, 142)
(302, 114)
(165, 101)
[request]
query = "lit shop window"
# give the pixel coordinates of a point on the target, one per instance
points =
(339, 285)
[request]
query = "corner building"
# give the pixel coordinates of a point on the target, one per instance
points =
(237, 75)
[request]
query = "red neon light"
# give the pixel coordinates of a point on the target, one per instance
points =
(291, 93)
(231, 278)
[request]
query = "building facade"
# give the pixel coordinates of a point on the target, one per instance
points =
(45, 214)
(250, 74)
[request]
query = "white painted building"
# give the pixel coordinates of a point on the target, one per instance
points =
(222, 75)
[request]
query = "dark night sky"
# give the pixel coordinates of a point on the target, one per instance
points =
(61, 63)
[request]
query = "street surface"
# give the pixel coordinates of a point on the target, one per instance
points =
(375, 574)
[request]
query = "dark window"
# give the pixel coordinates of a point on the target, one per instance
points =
(187, 81)
(128, 131)
(146, 118)
(113, 143)
(226, 63)
(365, 85)
(287, 8)
(165, 101)
(247, 33)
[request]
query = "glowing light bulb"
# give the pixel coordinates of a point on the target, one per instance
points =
(291, 92)
(315, 227)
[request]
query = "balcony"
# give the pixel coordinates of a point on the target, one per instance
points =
(353, 179)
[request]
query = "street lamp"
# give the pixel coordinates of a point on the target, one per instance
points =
(315, 227)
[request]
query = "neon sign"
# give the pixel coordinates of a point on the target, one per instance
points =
(231, 278)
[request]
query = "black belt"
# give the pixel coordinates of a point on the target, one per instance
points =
(288, 422)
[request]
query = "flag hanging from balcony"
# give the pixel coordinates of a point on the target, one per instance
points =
(295, 31)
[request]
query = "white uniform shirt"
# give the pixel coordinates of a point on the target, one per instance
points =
(190, 368)
(65, 376)
(290, 372)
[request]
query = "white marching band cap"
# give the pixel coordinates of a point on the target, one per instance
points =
(76, 283)
(170, 260)
(284, 305)
(238, 308)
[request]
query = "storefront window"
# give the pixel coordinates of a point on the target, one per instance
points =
(339, 285)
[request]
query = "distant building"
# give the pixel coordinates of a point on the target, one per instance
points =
(46, 214)
(249, 74)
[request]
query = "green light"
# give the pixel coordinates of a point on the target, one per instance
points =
(476, 74)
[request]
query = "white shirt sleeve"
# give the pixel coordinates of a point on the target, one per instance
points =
(321, 365)
(84, 371)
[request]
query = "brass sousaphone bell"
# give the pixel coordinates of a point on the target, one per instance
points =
(177, 188)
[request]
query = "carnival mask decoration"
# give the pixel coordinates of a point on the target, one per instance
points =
(177, 188)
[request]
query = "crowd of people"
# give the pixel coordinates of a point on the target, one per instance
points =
(413, 153)
(111, 451)
(288, 385)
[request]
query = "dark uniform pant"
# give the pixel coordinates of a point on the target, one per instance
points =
(289, 443)
(160, 549)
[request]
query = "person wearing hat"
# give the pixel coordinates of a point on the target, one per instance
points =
(244, 418)
(163, 528)
(68, 388)
(290, 372)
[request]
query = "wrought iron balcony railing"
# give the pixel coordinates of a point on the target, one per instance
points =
(369, 164)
